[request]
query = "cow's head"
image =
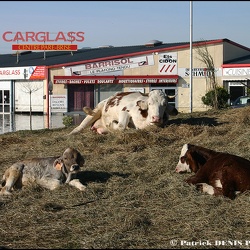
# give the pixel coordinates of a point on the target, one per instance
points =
(154, 108)
(191, 159)
(70, 161)
(183, 163)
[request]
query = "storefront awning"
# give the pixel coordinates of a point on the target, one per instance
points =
(139, 79)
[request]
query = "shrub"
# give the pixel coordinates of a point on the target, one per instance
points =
(222, 98)
(67, 121)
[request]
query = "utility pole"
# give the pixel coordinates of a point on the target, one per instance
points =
(191, 57)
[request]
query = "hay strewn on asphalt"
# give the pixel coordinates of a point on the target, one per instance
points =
(134, 199)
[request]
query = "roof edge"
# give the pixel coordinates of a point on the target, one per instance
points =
(195, 44)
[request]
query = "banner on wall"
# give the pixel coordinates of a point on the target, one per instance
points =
(167, 63)
(58, 103)
(23, 73)
(236, 71)
(199, 72)
(134, 79)
(103, 67)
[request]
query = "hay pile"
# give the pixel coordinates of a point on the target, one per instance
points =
(134, 199)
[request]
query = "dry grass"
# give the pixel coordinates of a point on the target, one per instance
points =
(134, 199)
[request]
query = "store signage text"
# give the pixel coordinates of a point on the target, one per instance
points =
(236, 71)
(29, 72)
(167, 63)
(30, 36)
(58, 47)
(109, 66)
(116, 81)
(9, 72)
(58, 103)
(199, 72)
(108, 63)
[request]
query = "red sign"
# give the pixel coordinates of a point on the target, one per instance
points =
(37, 73)
(150, 79)
(59, 47)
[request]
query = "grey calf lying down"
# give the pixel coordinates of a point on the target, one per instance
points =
(48, 172)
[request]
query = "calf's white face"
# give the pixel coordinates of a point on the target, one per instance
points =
(182, 165)
(157, 103)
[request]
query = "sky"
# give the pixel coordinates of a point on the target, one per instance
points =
(127, 23)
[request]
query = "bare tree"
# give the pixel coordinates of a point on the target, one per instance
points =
(207, 59)
(29, 88)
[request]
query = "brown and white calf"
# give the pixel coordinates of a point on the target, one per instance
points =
(216, 173)
(48, 172)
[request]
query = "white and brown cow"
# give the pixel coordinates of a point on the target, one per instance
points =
(48, 172)
(128, 110)
(216, 173)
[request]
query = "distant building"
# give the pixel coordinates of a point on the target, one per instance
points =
(89, 75)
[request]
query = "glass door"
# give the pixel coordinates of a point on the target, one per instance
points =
(4, 101)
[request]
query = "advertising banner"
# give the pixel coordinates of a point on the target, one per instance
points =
(28, 73)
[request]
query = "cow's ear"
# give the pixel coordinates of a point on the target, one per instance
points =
(88, 111)
(58, 164)
(80, 160)
(143, 105)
